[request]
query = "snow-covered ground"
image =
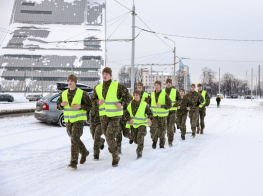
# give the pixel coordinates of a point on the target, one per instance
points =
(225, 161)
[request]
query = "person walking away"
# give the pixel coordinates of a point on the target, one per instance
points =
(196, 99)
(160, 104)
(202, 108)
(112, 98)
(95, 129)
(138, 116)
(218, 100)
(171, 118)
(75, 104)
(183, 107)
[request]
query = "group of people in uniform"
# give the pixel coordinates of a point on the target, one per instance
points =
(112, 111)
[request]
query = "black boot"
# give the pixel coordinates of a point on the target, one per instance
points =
(139, 156)
(154, 145)
(96, 157)
(193, 135)
(102, 145)
(72, 166)
(83, 158)
(131, 141)
(161, 146)
(115, 161)
(183, 137)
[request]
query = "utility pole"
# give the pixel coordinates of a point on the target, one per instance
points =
(219, 81)
(251, 83)
(133, 48)
(174, 51)
(259, 82)
(151, 78)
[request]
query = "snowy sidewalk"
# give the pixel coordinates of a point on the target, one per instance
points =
(225, 161)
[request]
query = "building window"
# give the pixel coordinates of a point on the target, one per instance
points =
(28, 4)
(35, 12)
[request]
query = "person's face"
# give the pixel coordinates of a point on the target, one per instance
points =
(182, 93)
(136, 97)
(71, 84)
(157, 87)
(168, 85)
(139, 87)
(200, 88)
(192, 88)
(106, 76)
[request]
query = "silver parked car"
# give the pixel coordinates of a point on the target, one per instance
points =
(46, 110)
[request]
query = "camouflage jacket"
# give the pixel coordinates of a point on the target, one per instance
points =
(85, 101)
(94, 112)
(122, 93)
(207, 98)
(147, 98)
(183, 102)
(168, 91)
(134, 106)
(168, 102)
(195, 99)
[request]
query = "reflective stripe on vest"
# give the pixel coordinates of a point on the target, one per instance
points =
(73, 115)
(140, 118)
(161, 100)
(145, 95)
(173, 98)
(203, 95)
(108, 108)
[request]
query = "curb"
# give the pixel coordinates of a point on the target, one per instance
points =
(5, 112)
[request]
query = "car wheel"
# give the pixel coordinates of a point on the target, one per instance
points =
(61, 121)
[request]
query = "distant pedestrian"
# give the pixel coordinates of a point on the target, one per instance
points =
(218, 101)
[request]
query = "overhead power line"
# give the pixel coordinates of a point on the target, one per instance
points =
(123, 5)
(202, 38)
(227, 61)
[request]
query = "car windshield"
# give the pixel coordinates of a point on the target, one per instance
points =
(47, 96)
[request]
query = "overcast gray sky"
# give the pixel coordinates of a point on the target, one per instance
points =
(237, 19)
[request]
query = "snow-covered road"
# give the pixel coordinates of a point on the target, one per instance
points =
(226, 160)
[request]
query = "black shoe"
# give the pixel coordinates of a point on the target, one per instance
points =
(131, 141)
(115, 161)
(72, 166)
(83, 158)
(139, 156)
(102, 146)
(183, 137)
(161, 146)
(154, 145)
(96, 157)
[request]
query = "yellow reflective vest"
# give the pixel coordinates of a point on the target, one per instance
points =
(108, 108)
(173, 98)
(203, 95)
(140, 118)
(71, 115)
(161, 100)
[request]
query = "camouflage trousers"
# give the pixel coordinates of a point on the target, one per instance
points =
(193, 115)
(137, 135)
(110, 128)
(75, 131)
(123, 130)
(202, 114)
(96, 132)
(171, 119)
(181, 120)
(158, 129)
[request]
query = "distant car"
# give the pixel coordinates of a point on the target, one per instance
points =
(29, 96)
(46, 110)
(35, 97)
(234, 96)
(249, 97)
(61, 86)
(6, 97)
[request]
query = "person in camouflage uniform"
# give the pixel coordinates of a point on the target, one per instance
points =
(138, 134)
(171, 118)
(95, 129)
(158, 129)
(75, 130)
(123, 131)
(196, 99)
(110, 125)
(182, 110)
(202, 110)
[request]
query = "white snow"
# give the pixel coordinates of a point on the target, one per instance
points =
(225, 161)
(4, 64)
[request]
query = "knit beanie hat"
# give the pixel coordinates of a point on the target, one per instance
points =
(107, 70)
(73, 78)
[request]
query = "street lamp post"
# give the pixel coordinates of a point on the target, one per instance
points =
(174, 51)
